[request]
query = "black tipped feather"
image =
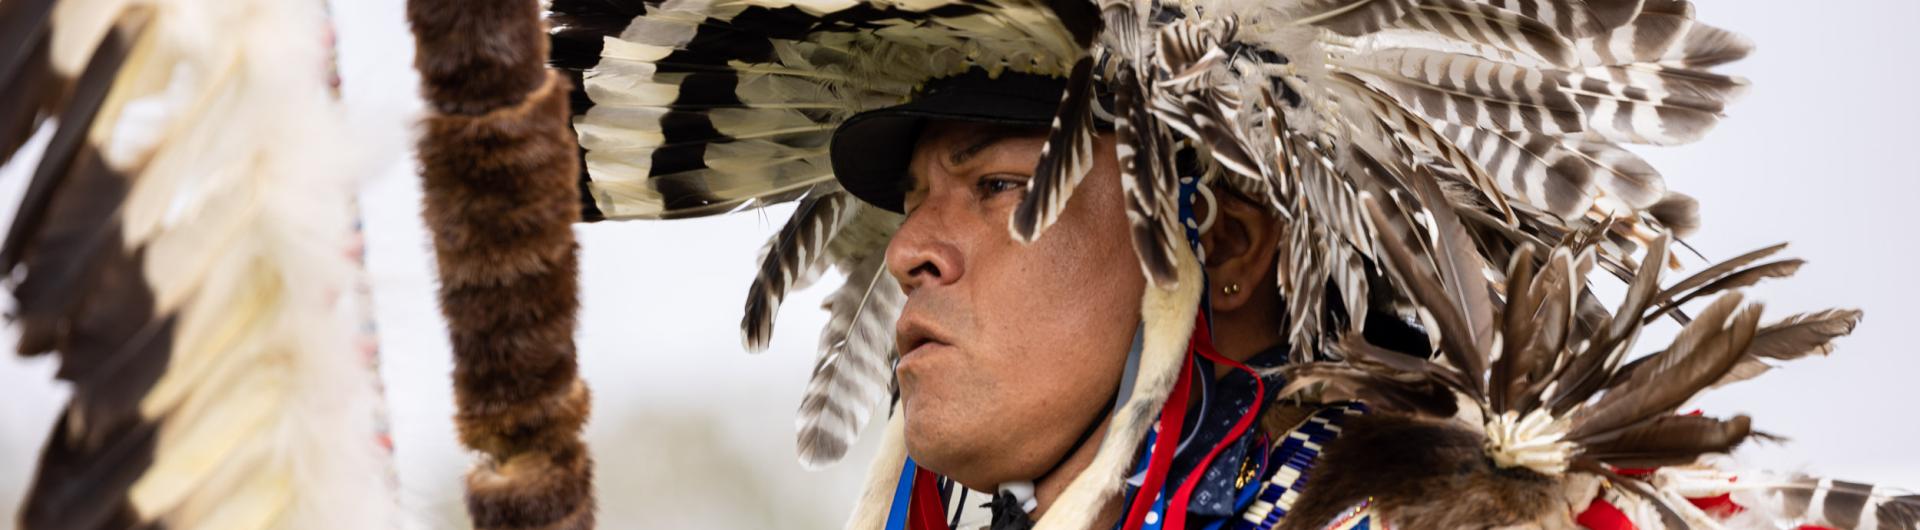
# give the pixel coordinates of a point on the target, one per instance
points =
(1146, 167)
(1064, 162)
(792, 259)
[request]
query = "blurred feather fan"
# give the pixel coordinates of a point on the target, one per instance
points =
(186, 253)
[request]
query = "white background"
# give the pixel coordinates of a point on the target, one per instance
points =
(690, 431)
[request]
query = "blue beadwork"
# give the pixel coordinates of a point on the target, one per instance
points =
(1297, 453)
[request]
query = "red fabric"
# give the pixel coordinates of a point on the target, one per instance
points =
(1202, 342)
(1171, 416)
(1721, 506)
(1603, 515)
(926, 511)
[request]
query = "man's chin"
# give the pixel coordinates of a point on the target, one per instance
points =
(935, 444)
(968, 453)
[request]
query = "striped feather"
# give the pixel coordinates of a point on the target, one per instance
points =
(1538, 108)
(1397, 119)
(1773, 501)
(1644, 104)
(1657, 28)
(791, 260)
(1572, 18)
(1146, 171)
(1631, 119)
(1064, 161)
(1489, 25)
(1209, 118)
(1706, 47)
(1350, 17)
(1559, 176)
(855, 370)
(1660, 85)
(682, 95)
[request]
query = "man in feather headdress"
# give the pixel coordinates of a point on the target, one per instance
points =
(1063, 225)
(1012, 353)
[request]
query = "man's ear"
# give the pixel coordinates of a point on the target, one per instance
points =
(1241, 248)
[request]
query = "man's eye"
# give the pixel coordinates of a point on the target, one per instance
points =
(994, 185)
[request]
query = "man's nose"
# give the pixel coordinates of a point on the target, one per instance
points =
(922, 253)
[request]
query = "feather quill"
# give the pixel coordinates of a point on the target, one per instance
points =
(1702, 353)
(1461, 267)
(1588, 371)
(1671, 440)
(1715, 272)
(1517, 328)
(1792, 338)
(1739, 279)
(1456, 334)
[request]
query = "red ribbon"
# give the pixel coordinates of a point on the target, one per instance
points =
(927, 511)
(1171, 417)
(1202, 342)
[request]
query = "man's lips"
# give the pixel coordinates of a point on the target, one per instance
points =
(912, 334)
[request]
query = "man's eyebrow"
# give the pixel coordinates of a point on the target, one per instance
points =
(962, 155)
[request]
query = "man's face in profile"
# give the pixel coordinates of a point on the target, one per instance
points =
(1009, 351)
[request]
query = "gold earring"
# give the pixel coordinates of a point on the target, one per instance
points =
(1231, 289)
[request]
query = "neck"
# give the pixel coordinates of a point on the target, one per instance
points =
(1049, 487)
(1240, 335)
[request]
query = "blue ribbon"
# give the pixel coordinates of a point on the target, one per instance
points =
(902, 497)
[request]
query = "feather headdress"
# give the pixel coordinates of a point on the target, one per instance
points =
(1533, 401)
(1510, 114)
(185, 250)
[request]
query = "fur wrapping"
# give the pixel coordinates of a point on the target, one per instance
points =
(475, 57)
(499, 164)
